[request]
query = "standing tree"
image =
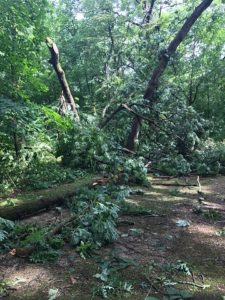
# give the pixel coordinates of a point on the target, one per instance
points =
(160, 68)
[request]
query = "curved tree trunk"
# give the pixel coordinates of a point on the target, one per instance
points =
(160, 68)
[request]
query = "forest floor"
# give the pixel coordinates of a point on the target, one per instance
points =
(145, 241)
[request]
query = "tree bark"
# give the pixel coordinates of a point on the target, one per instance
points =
(32, 203)
(163, 62)
(149, 12)
(61, 76)
(133, 135)
(62, 105)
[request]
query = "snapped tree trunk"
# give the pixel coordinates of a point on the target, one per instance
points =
(160, 68)
(62, 105)
(54, 60)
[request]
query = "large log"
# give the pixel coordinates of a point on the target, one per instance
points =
(25, 204)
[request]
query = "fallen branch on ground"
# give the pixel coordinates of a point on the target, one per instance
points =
(173, 184)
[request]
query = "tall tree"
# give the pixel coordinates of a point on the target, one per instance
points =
(164, 58)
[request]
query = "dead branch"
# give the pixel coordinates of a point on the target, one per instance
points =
(54, 61)
(173, 184)
(201, 286)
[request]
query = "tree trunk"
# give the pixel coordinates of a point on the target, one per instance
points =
(149, 12)
(32, 203)
(61, 76)
(163, 62)
(62, 105)
(133, 135)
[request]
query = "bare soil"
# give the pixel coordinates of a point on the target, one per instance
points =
(143, 239)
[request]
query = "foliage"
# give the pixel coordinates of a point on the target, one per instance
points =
(127, 171)
(44, 256)
(221, 232)
(166, 275)
(24, 236)
(6, 226)
(27, 158)
(108, 50)
(98, 211)
(177, 165)
(4, 286)
(213, 215)
(82, 146)
(41, 175)
(124, 49)
(112, 284)
(24, 26)
(53, 294)
(209, 159)
(88, 147)
(97, 225)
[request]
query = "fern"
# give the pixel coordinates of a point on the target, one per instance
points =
(3, 235)
(6, 226)
(4, 223)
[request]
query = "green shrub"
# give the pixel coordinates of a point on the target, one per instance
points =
(176, 165)
(97, 224)
(88, 147)
(82, 146)
(209, 159)
(6, 226)
(128, 170)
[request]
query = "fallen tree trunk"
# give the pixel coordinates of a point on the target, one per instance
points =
(27, 204)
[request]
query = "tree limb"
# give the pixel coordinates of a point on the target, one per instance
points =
(149, 12)
(182, 33)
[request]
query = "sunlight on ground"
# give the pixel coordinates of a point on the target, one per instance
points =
(208, 230)
(132, 201)
(10, 202)
(29, 275)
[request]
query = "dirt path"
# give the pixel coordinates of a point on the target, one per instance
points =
(155, 237)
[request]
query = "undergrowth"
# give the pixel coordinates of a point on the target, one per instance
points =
(93, 215)
(110, 281)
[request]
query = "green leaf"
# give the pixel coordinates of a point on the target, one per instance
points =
(183, 223)
(53, 294)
